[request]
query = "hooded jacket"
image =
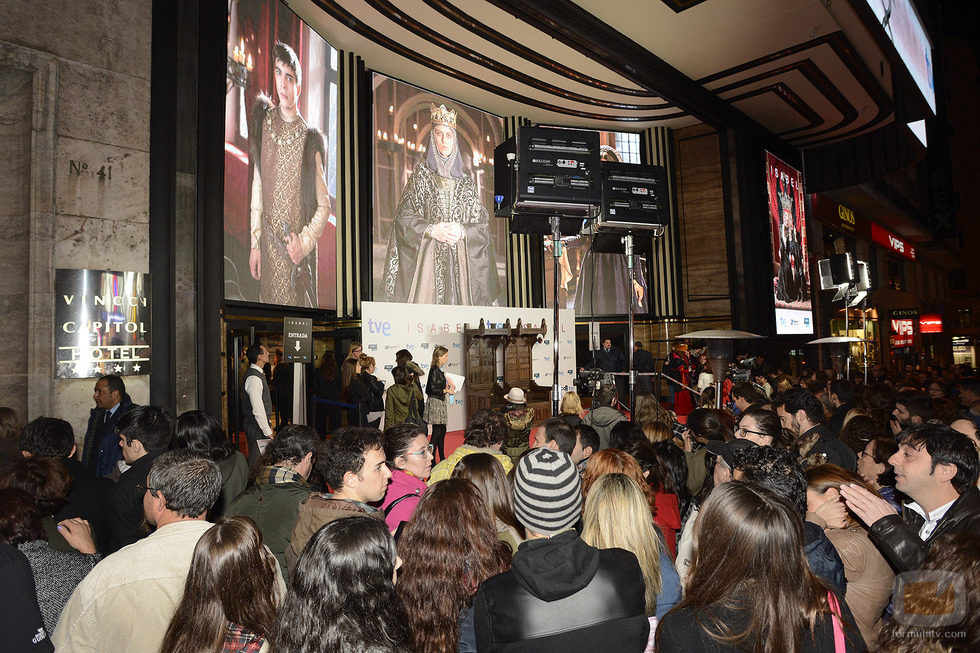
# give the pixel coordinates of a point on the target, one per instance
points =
(563, 595)
(603, 419)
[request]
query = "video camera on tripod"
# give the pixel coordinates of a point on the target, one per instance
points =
(741, 370)
(589, 381)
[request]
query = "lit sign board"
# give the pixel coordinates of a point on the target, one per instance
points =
(790, 256)
(102, 323)
(891, 242)
(904, 28)
(931, 323)
(902, 326)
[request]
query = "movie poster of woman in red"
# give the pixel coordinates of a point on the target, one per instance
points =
(791, 269)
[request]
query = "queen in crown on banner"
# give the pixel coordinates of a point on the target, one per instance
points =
(440, 251)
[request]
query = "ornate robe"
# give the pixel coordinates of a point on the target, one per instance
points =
(289, 195)
(421, 269)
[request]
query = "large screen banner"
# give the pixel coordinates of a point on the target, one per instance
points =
(280, 159)
(435, 238)
(791, 262)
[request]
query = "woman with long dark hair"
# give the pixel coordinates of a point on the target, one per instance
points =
(488, 475)
(349, 370)
(409, 456)
(231, 594)
(448, 548)
(367, 392)
(56, 573)
(659, 477)
(750, 588)
(201, 433)
(436, 389)
(343, 593)
(326, 385)
(763, 427)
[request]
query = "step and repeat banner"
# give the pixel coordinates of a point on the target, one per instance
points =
(387, 327)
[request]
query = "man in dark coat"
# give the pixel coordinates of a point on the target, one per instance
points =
(643, 363)
(144, 434)
(936, 467)
(801, 413)
(610, 359)
(561, 594)
(100, 451)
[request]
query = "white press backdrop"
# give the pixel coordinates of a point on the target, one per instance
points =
(388, 327)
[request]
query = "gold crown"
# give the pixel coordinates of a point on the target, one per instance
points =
(442, 116)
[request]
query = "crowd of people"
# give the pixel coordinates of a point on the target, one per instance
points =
(783, 523)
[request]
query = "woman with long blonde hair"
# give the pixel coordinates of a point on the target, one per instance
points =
(614, 461)
(615, 517)
(571, 409)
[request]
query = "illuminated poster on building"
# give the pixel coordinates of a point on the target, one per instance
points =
(280, 199)
(791, 268)
(931, 323)
(102, 323)
(902, 327)
(435, 238)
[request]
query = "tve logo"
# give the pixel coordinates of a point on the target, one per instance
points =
(384, 328)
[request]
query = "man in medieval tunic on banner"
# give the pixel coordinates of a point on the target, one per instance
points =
(289, 203)
(440, 251)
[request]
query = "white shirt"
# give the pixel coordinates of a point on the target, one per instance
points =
(932, 519)
(253, 388)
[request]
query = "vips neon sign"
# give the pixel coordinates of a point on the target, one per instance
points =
(893, 243)
(902, 324)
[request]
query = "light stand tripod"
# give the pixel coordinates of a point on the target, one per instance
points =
(556, 245)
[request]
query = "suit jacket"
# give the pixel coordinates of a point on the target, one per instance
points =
(100, 451)
(125, 506)
(609, 361)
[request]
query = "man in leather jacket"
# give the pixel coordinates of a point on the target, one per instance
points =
(560, 594)
(936, 467)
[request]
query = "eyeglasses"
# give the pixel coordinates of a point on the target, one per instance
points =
(142, 488)
(742, 429)
(421, 452)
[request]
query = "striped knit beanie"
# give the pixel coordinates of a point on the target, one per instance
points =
(547, 491)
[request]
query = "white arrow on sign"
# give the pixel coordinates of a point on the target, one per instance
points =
(298, 346)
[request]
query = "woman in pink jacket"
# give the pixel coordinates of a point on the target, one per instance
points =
(409, 455)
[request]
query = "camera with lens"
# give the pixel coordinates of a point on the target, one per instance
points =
(741, 370)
